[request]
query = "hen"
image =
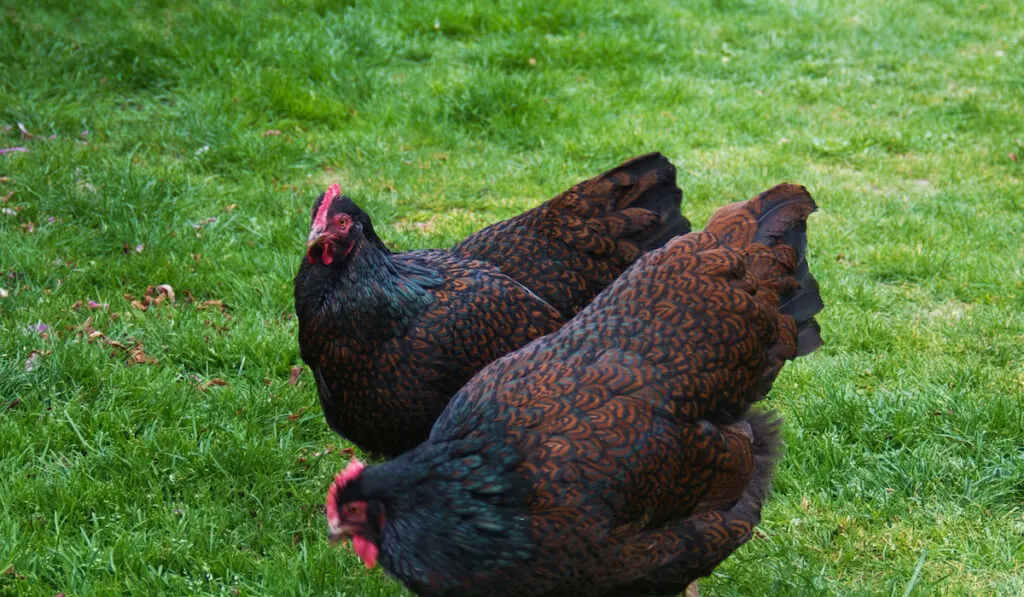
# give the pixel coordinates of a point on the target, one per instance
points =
(391, 337)
(619, 455)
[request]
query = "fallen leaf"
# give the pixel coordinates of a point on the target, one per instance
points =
(138, 356)
(211, 303)
(1013, 158)
(166, 289)
(271, 133)
(91, 333)
(34, 357)
(295, 416)
(93, 305)
(154, 295)
(296, 372)
(216, 381)
(14, 404)
(806, 505)
(532, 61)
(24, 132)
(230, 208)
(8, 196)
(327, 450)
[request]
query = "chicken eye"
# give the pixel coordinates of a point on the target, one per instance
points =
(352, 509)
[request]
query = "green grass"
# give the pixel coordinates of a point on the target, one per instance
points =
(905, 463)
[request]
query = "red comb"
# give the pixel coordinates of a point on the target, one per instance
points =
(351, 471)
(320, 221)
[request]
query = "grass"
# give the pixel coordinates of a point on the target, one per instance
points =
(905, 464)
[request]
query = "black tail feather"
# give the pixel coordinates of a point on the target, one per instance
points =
(661, 196)
(779, 215)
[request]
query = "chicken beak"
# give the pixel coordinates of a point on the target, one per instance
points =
(338, 533)
(316, 237)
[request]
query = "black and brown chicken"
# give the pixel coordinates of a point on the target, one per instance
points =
(619, 455)
(390, 337)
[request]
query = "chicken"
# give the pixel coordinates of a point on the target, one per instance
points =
(391, 337)
(619, 455)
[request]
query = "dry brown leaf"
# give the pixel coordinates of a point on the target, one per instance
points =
(34, 357)
(296, 372)
(166, 290)
(91, 333)
(216, 381)
(154, 295)
(138, 356)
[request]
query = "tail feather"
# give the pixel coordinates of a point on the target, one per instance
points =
(779, 216)
(571, 247)
(656, 191)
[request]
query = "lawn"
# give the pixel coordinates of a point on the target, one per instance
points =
(183, 143)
